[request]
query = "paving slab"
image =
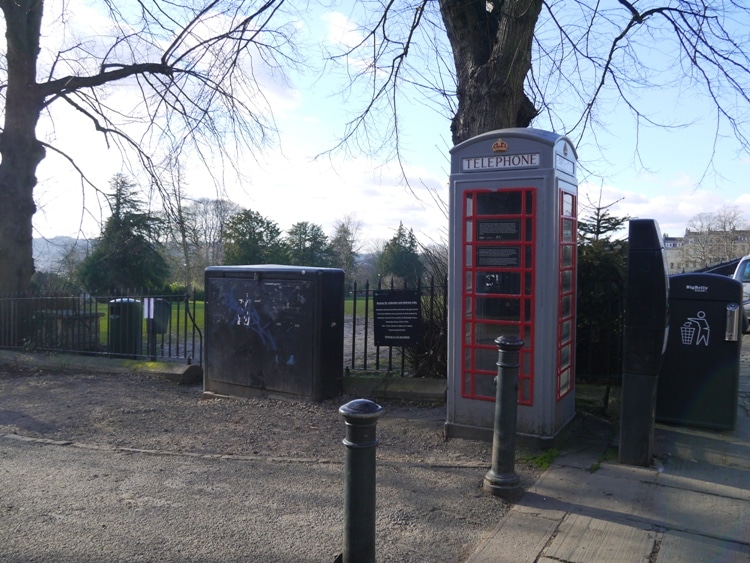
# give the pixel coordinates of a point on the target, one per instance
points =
(583, 539)
(678, 546)
(691, 504)
(518, 540)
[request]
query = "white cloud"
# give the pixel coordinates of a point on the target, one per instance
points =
(341, 31)
(672, 206)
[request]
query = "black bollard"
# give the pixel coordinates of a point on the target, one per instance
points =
(501, 480)
(361, 418)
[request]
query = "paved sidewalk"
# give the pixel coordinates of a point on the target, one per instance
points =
(691, 505)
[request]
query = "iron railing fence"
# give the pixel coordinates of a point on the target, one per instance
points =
(600, 327)
(133, 324)
(428, 358)
(114, 326)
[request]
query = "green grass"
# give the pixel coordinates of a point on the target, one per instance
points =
(349, 306)
(200, 312)
(543, 460)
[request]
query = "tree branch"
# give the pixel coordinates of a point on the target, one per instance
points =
(63, 86)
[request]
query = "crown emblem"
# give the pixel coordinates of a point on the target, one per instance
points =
(499, 146)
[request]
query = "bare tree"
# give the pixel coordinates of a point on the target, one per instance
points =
(210, 218)
(178, 222)
(346, 246)
(194, 65)
(731, 233)
(556, 64)
(714, 238)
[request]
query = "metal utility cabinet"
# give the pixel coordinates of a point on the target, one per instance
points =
(275, 330)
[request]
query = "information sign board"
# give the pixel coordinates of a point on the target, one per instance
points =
(397, 317)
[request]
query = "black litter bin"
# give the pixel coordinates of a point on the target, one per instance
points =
(699, 380)
(125, 327)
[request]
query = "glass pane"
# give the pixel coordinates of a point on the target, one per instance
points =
(566, 306)
(567, 281)
(469, 205)
(567, 256)
(527, 311)
(486, 359)
(565, 331)
(528, 260)
(527, 336)
(527, 284)
(484, 385)
(469, 231)
(469, 311)
(568, 230)
(469, 286)
(526, 363)
(508, 283)
(565, 356)
(498, 256)
(529, 203)
(467, 253)
(487, 333)
(499, 203)
(467, 333)
(498, 309)
(499, 229)
(564, 382)
(568, 205)
(529, 235)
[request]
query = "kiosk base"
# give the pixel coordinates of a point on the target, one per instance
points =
(453, 430)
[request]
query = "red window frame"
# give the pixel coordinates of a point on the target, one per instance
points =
(479, 355)
(566, 322)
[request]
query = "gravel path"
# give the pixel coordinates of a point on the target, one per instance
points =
(100, 467)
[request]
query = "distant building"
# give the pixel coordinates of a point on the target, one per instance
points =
(672, 246)
(698, 250)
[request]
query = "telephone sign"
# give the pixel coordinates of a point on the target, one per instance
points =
(512, 271)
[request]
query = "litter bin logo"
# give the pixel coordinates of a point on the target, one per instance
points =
(695, 330)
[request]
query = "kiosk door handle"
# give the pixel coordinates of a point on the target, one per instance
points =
(732, 333)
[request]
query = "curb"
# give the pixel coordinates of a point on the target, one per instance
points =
(179, 373)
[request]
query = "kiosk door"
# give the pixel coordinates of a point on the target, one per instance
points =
(498, 287)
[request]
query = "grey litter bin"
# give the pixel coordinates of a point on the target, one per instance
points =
(125, 327)
(158, 311)
(699, 380)
(162, 315)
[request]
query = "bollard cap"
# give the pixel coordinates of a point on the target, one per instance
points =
(362, 409)
(505, 342)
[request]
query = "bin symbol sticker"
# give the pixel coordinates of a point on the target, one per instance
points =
(695, 330)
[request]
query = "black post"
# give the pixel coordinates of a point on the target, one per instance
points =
(151, 337)
(501, 480)
(361, 442)
(644, 338)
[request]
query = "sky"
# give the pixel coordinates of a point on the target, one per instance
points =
(674, 175)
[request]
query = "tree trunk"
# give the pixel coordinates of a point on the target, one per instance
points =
(20, 150)
(491, 44)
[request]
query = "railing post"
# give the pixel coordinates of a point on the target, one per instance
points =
(501, 480)
(361, 417)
